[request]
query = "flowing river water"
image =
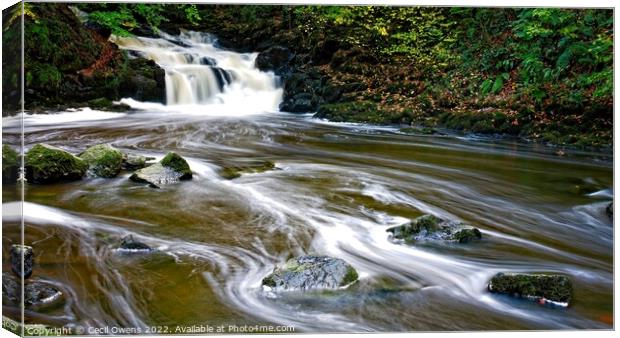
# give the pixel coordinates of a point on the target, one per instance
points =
(335, 190)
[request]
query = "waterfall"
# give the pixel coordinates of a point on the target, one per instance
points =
(200, 74)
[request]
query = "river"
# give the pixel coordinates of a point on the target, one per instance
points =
(336, 188)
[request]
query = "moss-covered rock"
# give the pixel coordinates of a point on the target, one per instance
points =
(236, 171)
(10, 164)
(103, 160)
(541, 287)
(431, 228)
(177, 163)
(311, 272)
(49, 164)
(171, 169)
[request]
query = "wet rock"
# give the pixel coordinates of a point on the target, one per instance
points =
(16, 253)
(106, 104)
(128, 243)
(171, 169)
(103, 160)
(311, 272)
(134, 162)
(431, 228)
(144, 81)
(37, 293)
(610, 211)
(49, 164)
(300, 103)
(235, 172)
(542, 288)
(10, 164)
(275, 58)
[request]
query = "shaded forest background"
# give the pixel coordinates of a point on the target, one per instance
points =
(541, 73)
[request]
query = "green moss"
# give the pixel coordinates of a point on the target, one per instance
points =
(556, 288)
(355, 111)
(235, 172)
(350, 277)
(177, 163)
(467, 235)
(103, 160)
(47, 164)
(10, 164)
(268, 281)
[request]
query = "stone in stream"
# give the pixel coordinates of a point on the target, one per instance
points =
(230, 173)
(311, 272)
(128, 243)
(37, 293)
(134, 162)
(16, 260)
(10, 164)
(609, 210)
(103, 160)
(171, 169)
(49, 164)
(554, 289)
(431, 228)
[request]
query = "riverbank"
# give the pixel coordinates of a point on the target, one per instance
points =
(332, 64)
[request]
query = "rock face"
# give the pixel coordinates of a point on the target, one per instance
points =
(542, 288)
(16, 260)
(234, 172)
(275, 58)
(36, 293)
(48, 164)
(311, 272)
(431, 228)
(103, 160)
(128, 243)
(10, 164)
(171, 169)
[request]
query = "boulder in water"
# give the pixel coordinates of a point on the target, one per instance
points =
(235, 172)
(134, 162)
(16, 253)
(49, 164)
(555, 289)
(311, 272)
(10, 164)
(37, 293)
(431, 228)
(171, 169)
(128, 243)
(103, 160)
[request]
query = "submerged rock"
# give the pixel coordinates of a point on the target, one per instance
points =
(609, 210)
(10, 164)
(48, 164)
(134, 162)
(16, 253)
(103, 160)
(429, 227)
(128, 243)
(234, 172)
(311, 272)
(171, 169)
(542, 288)
(36, 293)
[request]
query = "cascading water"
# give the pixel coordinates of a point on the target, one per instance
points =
(198, 73)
